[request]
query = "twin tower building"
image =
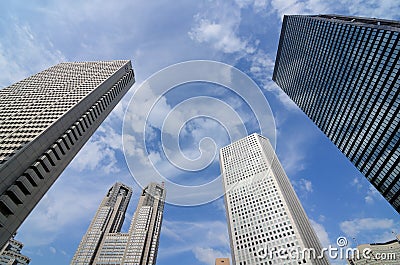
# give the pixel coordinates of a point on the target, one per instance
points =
(342, 71)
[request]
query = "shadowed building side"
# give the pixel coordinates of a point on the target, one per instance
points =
(44, 121)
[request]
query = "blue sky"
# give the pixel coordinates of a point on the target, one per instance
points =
(154, 35)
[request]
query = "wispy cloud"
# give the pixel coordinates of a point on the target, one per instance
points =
(261, 69)
(372, 8)
(354, 227)
(206, 240)
(372, 195)
(208, 255)
(23, 52)
(58, 211)
(306, 185)
(219, 35)
(218, 27)
(357, 183)
(321, 233)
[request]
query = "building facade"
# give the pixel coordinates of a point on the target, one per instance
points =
(265, 218)
(108, 219)
(104, 243)
(377, 253)
(10, 254)
(343, 72)
(44, 121)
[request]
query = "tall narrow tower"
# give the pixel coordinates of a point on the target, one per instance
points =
(145, 228)
(108, 219)
(44, 121)
(343, 72)
(266, 221)
(104, 243)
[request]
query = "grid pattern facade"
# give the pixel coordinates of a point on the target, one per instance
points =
(343, 72)
(10, 254)
(262, 208)
(146, 227)
(44, 121)
(104, 244)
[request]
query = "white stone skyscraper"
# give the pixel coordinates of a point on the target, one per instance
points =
(104, 244)
(267, 224)
(44, 121)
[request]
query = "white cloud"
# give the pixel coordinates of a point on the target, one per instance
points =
(96, 154)
(303, 186)
(373, 8)
(208, 255)
(356, 183)
(372, 195)
(56, 212)
(262, 67)
(145, 102)
(219, 28)
(353, 227)
(220, 36)
(207, 240)
(297, 7)
(23, 53)
(321, 233)
(53, 250)
(306, 184)
(368, 8)
(293, 155)
(322, 218)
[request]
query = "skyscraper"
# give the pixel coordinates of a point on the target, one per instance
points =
(10, 254)
(343, 72)
(108, 219)
(104, 243)
(44, 121)
(265, 218)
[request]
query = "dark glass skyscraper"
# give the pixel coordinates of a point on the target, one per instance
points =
(45, 120)
(343, 72)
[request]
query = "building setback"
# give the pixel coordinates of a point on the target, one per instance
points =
(263, 212)
(343, 72)
(44, 121)
(10, 254)
(104, 243)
